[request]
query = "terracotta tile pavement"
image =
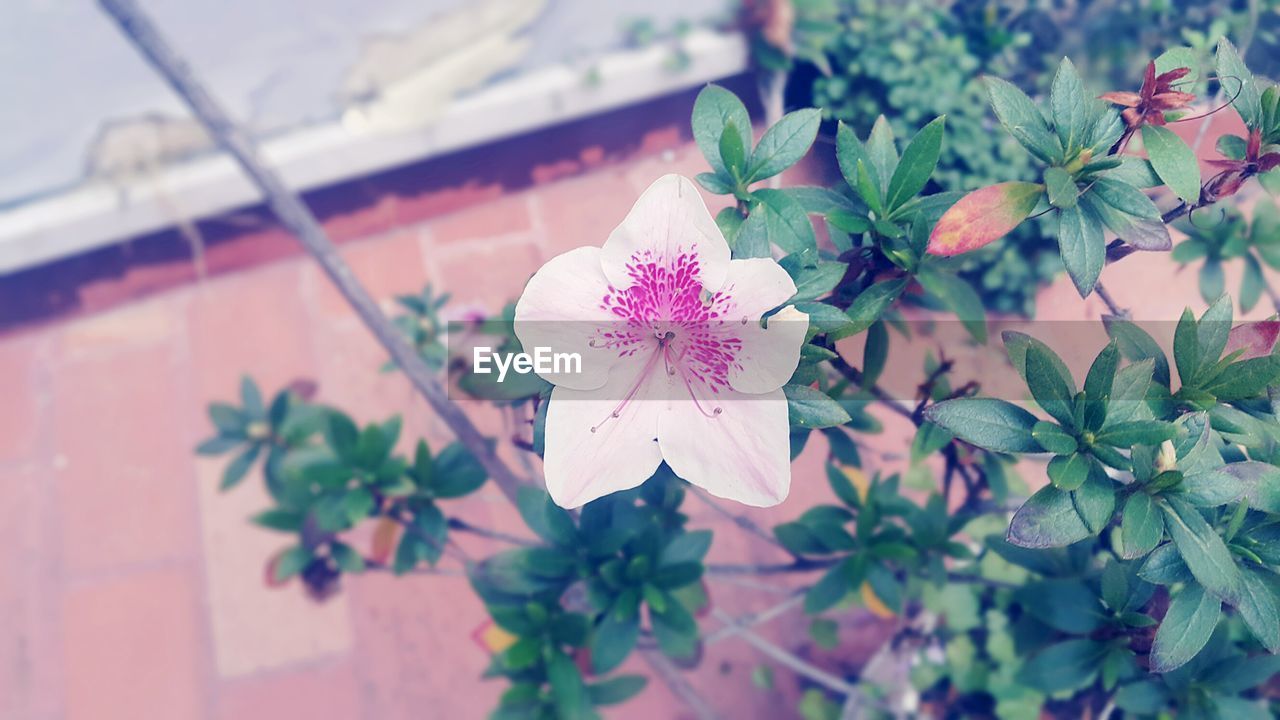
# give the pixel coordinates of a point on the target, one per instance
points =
(131, 588)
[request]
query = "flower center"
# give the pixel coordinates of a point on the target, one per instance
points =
(667, 312)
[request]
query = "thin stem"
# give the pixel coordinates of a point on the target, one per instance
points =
(1112, 305)
(743, 622)
(800, 565)
(678, 684)
(299, 220)
(791, 660)
(464, 526)
(854, 376)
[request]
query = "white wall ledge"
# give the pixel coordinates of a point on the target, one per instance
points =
(97, 213)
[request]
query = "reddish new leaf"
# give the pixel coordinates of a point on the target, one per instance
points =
(982, 216)
(1255, 338)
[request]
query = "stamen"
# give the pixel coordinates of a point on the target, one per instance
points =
(617, 411)
(694, 396)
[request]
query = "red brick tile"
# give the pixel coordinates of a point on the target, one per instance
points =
(376, 217)
(432, 203)
(251, 323)
(133, 649)
(122, 462)
(414, 649)
(583, 211)
(324, 692)
(502, 217)
(488, 274)
(20, 388)
(386, 266)
(30, 655)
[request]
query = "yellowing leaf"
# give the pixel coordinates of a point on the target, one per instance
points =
(493, 638)
(385, 534)
(874, 603)
(983, 216)
(858, 479)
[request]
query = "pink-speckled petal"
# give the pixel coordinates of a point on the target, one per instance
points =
(735, 446)
(668, 221)
(562, 309)
(765, 357)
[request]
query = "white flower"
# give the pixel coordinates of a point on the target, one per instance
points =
(676, 364)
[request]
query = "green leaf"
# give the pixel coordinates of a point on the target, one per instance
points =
(1145, 697)
(1082, 245)
(785, 221)
(218, 444)
(1193, 614)
(1066, 605)
(785, 143)
(713, 110)
(228, 419)
(874, 353)
(986, 422)
(882, 151)
(960, 298)
(1047, 519)
(1202, 549)
(1173, 161)
(687, 547)
(675, 630)
(1022, 119)
(289, 521)
(1211, 488)
(1129, 213)
(1238, 82)
(1246, 379)
(850, 153)
(825, 319)
(831, 588)
(1068, 472)
(1164, 566)
(1141, 526)
(1062, 190)
(349, 561)
(871, 304)
(1251, 284)
(1212, 280)
(1067, 665)
(1053, 439)
(1070, 106)
(1097, 385)
(291, 562)
(813, 409)
(1095, 500)
(457, 472)
(613, 640)
(718, 185)
(732, 152)
(567, 689)
(616, 690)
(251, 398)
(1259, 606)
(916, 166)
(1136, 344)
(1051, 390)
(239, 467)
(1137, 432)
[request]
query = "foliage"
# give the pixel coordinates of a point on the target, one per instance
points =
(1142, 575)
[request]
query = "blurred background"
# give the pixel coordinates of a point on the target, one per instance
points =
(451, 143)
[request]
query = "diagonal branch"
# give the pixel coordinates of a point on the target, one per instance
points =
(299, 220)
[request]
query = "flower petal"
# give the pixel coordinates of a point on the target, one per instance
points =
(769, 355)
(582, 464)
(669, 220)
(561, 309)
(741, 453)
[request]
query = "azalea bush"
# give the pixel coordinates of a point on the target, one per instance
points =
(1104, 542)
